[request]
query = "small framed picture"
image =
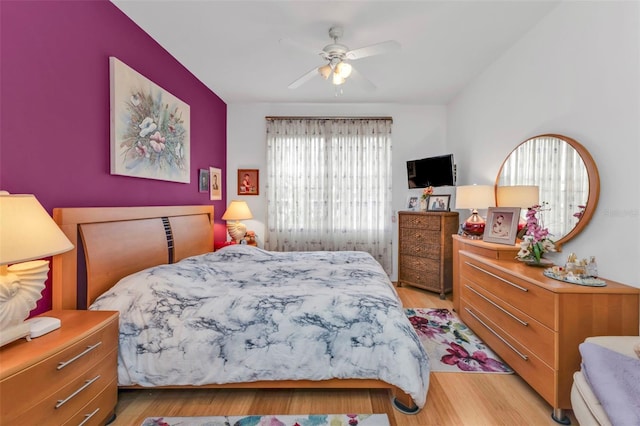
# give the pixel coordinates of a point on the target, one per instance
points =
(203, 180)
(248, 182)
(438, 203)
(412, 203)
(502, 225)
(215, 189)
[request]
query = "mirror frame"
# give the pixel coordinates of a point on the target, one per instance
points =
(594, 184)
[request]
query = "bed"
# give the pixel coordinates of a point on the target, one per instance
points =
(260, 319)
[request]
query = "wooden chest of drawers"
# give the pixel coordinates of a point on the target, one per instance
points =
(425, 249)
(536, 323)
(68, 376)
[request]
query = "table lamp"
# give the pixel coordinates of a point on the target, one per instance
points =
(474, 197)
(237, 211)
(523, 196)
(27, 233)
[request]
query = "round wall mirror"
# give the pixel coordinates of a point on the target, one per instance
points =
(566, 175)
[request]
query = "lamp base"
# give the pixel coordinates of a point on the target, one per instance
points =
(474, 226)
(15, 332)
(237, 230)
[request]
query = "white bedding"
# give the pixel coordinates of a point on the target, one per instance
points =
(243, 314)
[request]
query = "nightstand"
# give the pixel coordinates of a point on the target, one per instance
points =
(66, 376)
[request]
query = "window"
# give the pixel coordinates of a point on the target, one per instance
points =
(329, 186)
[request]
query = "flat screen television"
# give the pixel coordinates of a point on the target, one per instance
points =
(431, 171)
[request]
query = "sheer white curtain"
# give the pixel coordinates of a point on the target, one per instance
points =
(557, 168)
(329, 186)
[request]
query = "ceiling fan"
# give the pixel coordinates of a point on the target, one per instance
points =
(337, 56)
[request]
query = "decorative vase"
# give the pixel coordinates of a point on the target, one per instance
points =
(423, 204)
(532, 261)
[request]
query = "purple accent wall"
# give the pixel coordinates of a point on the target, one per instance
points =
(54, 108)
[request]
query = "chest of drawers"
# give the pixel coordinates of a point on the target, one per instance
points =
(536, 323)
(425, 250)
(68, 376)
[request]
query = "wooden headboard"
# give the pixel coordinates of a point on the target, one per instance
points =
(113, 242)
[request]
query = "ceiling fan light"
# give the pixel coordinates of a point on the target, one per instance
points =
(325, 71)
(343, 69)
(337, 80)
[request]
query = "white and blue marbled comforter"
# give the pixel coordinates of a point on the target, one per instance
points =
(243, 314)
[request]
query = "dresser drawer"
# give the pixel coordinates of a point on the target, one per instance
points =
(64, 402)
(22, 390)
(538, 338)
(427, 277)
(532, 369)
(99, 410)
(529, 298)
(420, 243)
(420, 221)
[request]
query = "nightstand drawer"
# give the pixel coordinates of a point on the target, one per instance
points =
(99, 410)
(59, 406)
(21, 390)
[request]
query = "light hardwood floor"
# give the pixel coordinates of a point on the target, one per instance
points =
(453, 398)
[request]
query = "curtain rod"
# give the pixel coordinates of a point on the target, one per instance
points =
(271, 118)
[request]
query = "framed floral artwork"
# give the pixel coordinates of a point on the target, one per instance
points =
(215, 178)
(248, 182)
(149, 128)
(502, 225)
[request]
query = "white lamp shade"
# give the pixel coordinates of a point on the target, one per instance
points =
(522, 196)
(475, 197)
(27, 232)
(237, 210)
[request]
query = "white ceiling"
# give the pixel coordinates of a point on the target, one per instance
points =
(234, 47)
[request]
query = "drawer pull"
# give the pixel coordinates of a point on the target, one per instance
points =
(63, 364)
(523, 356)
(87, 417)
(494, 304)
(497, 277)
(88, 383)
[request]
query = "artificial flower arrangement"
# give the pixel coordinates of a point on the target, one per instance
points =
(427, 192)
(535, 238)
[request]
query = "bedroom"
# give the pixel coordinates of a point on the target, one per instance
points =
(59, 64)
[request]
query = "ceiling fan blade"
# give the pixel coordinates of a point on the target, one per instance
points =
(361, 80)
(306, 77)
(301, 46)
(374, 49)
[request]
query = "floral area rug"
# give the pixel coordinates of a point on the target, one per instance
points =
(277, 420)
(451, 345)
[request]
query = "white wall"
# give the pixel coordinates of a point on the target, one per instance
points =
(418, 132)
(576, 73)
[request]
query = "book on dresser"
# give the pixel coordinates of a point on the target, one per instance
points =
(425, 250)
(535, 323)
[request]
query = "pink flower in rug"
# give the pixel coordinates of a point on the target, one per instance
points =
(270, 421)
(479, 361)
(443, 314)
(424, 327)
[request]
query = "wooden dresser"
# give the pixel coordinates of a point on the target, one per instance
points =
(68, 376)
(425, 250)
(536, 323)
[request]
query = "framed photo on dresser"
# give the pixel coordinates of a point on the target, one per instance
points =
(438, 203)
(502, 225)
